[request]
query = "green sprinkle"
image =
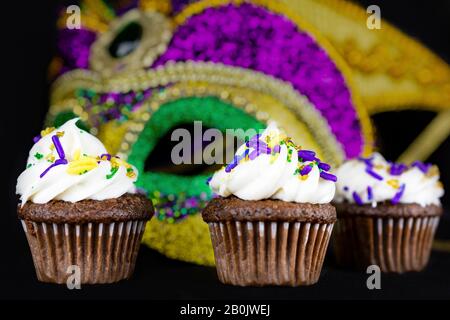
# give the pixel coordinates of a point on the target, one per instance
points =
(113, 172)
(38, 156)
(29, 165)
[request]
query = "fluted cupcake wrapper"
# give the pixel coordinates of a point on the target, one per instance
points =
(269, 253)
(394, 244)
(104, 252)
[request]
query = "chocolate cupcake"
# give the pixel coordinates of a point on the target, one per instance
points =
(80, 208)
(387, 214)
(271, 221)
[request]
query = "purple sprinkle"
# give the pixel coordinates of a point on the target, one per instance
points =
(231, 166)
(305, 170)
(345, 188)
(328, 176)
(208, 180)
(357, 198)
(58, 147)
(399, 194)
(369, 193)
(324, 166)
(257, 144)
(421, 166)
(107, 155)
(56, 163)
(307, 155)
(254, 154)
(367, 161)
(277, 148)
(374, 174)
(37, 138)
(255, 137)
(397, 169)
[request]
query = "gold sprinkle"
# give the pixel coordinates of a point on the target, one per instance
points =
(82, 165)
(393, 183)
(76, 154)
(60, 134)
(46, 131)
(50, 157)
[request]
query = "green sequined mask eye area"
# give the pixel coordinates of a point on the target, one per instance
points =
(212, 113)
(179, 198)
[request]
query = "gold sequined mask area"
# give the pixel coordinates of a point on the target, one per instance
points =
(143, 70)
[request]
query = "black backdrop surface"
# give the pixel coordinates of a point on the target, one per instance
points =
(27, 46)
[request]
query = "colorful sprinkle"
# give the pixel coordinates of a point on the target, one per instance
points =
(38, 155)
(58, 146)
(324, 166)
(47, 131)
(397, 169)
(328, 176)
(357, 198)
(56, 163)
(130, 173)
(112, 172)
(374, 174)
(307, 155)
(369, 193)
(82, 165)
(399, 194)
(305, 170)
(393, 183)
(421, 166)
(106, 155)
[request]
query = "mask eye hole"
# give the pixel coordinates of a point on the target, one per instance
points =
(126, 41)
(160, 159)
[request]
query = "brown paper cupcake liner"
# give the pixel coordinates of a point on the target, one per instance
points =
(104, 252)
(269, 253)
(394, 244)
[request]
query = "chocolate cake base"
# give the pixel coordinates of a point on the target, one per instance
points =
(268, 242)
(397, 238)
(103, 250)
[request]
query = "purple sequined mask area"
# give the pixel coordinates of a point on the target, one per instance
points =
(251, 37)
(74, 47)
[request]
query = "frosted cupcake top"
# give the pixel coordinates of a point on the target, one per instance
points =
(270, 165)
(373, 180)
(70, 164)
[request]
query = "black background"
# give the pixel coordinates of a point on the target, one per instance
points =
(27, 44)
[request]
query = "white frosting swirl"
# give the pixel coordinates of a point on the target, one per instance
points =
(412, 184)
(84, 176)
(273, 176)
